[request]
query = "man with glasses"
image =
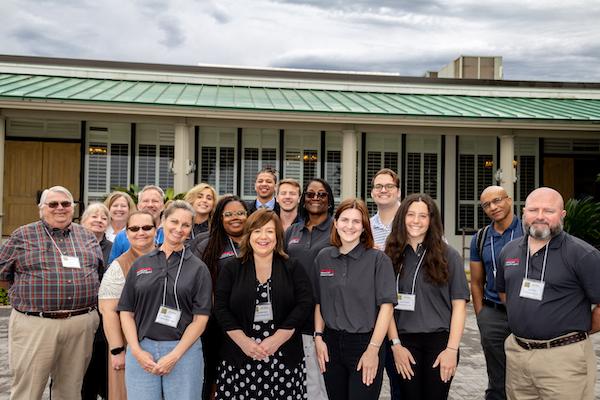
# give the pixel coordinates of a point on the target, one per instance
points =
(484, 261)
(264, 185)
(52, 268)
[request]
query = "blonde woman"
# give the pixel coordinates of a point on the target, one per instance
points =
(203, 198)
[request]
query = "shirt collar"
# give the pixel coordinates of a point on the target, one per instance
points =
(323, 226)
(53, 230)
(269, 204)
(355, 253)
(157, 250)
(555, 241)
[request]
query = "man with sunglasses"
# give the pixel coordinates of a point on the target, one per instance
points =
(491, 313)
(52, 268)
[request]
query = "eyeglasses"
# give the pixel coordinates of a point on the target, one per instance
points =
(387, 186)
(495, 202)
(318, 195)
(239, 213)
(145, 228)
(64, 204)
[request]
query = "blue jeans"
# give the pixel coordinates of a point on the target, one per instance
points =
(182, 383)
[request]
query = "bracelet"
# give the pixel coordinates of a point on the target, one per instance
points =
(374, 344)
(452, 348)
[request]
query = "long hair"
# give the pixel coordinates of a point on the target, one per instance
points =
(194, 193)
(435, 262)
(330, 206)
(366, 237)
(217, 235)
(257, 220)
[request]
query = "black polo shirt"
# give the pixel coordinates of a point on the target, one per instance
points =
(143, 292)
(433, 303)
(572, 285)
(351, 287)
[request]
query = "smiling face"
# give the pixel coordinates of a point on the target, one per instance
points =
(263, 240)
(318, 204)
(204, 202)
(151, 201)
(119, 211)
(496, 204)
(141, 240)
(543, 214)
(177, 227)
(265, 186)
(234, 216)
(349, 226)
(385, 193)
(288, 197)
(417, 221)
(96, 223)
(59, 217)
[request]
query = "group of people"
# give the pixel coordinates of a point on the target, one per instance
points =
(290, 297)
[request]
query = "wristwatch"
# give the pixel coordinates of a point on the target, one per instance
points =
(317, 334)
(117, 350)
(394, 342)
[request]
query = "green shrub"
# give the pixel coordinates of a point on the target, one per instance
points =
(583, 220)
(3, 297)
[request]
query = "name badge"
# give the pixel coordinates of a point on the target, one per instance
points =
(168, 316)
(70, 262)
(532, 289)
(327, 272)
(263, 312)
(406, 302)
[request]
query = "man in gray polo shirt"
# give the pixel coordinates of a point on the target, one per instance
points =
(549, 281)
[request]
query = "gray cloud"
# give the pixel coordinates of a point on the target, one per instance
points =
(42, 44)
(173, 35)
(406, 6)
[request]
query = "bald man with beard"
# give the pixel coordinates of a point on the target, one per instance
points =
(549, 281)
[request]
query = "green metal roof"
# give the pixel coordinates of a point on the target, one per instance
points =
(25, 87)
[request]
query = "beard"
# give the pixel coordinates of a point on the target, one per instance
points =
(545, 232)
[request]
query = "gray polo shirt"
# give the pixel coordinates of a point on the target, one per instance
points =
(143, 292)
(351, 287)
(304, 244)
(433, 304)
(572, 285)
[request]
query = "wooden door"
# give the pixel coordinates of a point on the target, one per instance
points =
(31, 167)
(559, 174)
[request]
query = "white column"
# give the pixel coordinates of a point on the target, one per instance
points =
(2, 133)
(184, 158)
(507, 155)
(349, 165)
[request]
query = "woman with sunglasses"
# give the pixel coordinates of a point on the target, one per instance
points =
(262, 299)
(354, 289)
(222, 244)
(432, 295)
(303, 241)
(203, 198)
(140, 232)
(164, 308)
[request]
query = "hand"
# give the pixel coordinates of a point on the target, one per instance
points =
(447, 362)
(368, 363)
(166, 364)
(271, 344)
(118, 362)
(145, 360)
(404, 361)
(253, 349)
(322, 353)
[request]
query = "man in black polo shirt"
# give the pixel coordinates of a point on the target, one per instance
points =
(549, 281)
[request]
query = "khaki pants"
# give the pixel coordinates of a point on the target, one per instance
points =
(40, 348)
(560, 373)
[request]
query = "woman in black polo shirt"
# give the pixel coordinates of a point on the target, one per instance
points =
(432, 294)
(164, 309)
(261, 301)
(355, 296)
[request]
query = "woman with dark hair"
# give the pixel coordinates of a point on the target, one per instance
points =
(222, 244)
(303, 241)
(432, 295)
(354, 289)
(262, 299)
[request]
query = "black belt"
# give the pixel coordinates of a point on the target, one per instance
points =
(547, 344)
(59, 314)
(497, 306)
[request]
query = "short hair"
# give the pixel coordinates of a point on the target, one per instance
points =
(93, 209)
(114, 196)
(54, 189)
(267, 170)
(140, 213)
(151, 187)
(386, 171)
(257, 220)
(290, 181)
(366, 237)
(178, 205)
(194, 192)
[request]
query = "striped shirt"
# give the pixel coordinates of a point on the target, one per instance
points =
(380, 231)
(32, 263)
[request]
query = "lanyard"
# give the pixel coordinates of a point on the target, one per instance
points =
(512, 235)
(414, 277)
(543, 263)
(233, 247)
(56, 246)
(175, 284)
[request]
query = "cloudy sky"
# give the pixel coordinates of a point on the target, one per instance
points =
(538, 40)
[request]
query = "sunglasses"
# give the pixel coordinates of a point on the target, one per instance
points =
(229, 214)
(64, 204)
(318, 195)
(145, 228)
